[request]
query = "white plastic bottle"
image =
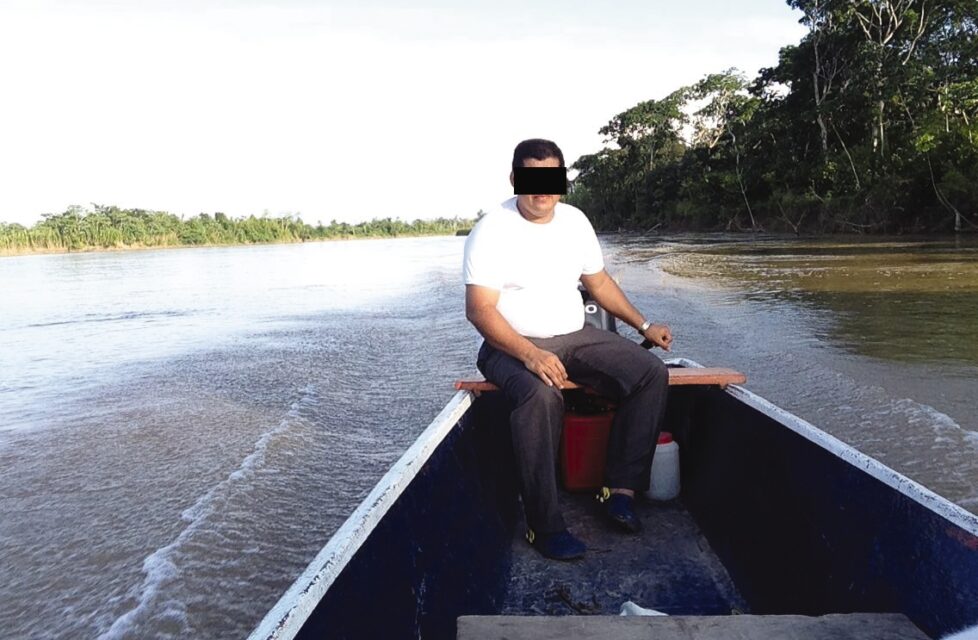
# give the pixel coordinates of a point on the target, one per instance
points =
(664, 483)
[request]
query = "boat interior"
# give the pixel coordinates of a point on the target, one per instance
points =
(775, 518)
(669, 567)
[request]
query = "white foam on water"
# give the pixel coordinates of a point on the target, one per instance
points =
(161, 567)
(648, 275)
(137, 307)
(923, 415)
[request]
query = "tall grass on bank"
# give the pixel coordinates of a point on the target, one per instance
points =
(106, 227)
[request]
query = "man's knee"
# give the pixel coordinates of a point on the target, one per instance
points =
(542, 397)
(537, 417)
(656, 372)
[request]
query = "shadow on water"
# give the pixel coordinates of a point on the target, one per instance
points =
(893, 299)
(872, 340)
(925, 327)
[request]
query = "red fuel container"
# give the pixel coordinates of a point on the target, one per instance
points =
(583, 449)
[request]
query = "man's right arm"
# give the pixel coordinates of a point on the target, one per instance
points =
(480, 309)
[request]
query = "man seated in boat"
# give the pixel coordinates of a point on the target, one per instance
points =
(522, 265)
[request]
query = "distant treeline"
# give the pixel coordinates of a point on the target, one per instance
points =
(870, 124)
(103, 227)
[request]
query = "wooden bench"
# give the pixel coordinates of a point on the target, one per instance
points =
(839, 626)
(677, 376)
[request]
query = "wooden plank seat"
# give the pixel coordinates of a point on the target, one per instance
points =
(847, 626)
(677, 376)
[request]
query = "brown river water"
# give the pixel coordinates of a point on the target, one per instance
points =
(873, 340)
(181, 431)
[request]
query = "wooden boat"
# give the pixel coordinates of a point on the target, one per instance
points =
(775, 518)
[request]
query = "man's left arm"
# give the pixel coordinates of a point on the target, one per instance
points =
(606, 292)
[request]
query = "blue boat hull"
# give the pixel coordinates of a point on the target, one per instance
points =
(439, 552)
(802, 523)
(802, 530)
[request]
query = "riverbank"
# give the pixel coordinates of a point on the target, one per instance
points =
(103, 228)
(28, 251)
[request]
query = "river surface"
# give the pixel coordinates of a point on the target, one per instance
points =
(182, 430)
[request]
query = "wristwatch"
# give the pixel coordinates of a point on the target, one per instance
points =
(645, 326)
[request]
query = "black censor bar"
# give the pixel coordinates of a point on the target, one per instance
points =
(540, 180)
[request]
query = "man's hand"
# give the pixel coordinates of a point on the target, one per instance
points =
(548, 366)
(659, 335)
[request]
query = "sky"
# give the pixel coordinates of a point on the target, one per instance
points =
(330, 111)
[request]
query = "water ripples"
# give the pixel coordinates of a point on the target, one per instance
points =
(178, 445)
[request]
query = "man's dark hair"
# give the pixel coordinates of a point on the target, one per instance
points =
(537, 148)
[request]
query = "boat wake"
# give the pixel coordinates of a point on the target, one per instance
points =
(162, 567)
(923, 415)
(124, 316)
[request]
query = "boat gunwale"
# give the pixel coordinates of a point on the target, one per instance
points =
(285, 619)
(912, 489)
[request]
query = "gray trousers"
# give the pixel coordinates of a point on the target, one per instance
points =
(614, 366)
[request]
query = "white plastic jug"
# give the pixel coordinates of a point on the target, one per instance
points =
(664, 481)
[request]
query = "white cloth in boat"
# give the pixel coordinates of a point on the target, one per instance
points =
(535, 267)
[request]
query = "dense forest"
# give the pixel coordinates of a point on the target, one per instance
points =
(869, 124)
(105, 227)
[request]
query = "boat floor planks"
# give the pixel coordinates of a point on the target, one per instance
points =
(669, 567)
(851, 626)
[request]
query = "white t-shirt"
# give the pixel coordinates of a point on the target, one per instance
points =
(535, 267)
